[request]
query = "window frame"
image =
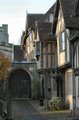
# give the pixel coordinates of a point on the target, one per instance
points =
(62, 41)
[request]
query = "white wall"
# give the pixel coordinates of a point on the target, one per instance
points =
(68, 87)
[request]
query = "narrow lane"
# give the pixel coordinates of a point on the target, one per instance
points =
(29, 110)
(23, 110)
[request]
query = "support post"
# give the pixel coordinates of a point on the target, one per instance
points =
(73, 81)
(45, 91)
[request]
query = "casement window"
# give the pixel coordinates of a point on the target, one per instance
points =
(62, 41)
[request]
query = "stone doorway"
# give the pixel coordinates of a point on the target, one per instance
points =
(20, 84)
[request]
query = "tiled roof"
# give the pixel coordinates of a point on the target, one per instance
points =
(46, 15)
(68, 9)
(44, 29)
(32, 18)
(44, 26)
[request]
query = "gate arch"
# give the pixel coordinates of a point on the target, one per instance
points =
(20, 83)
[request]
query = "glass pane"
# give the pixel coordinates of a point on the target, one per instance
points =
(63, 41)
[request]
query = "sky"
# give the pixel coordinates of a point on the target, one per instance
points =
(13, 13)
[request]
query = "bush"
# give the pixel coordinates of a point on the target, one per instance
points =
(55, 103)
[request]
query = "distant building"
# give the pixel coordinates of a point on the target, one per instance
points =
(5, 47)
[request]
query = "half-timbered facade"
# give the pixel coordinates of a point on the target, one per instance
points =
(74, 42)
(46, 56)
(62, 34)
(46, 40)
(27, 39)
(51, 81)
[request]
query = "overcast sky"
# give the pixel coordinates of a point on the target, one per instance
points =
(13, 13)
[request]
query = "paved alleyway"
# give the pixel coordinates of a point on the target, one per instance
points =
(30, 110)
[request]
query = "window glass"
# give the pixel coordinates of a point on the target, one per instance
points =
(51, 18)
(30, 36)
(62, 41)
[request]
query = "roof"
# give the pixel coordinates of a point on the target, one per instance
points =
(44, 26)
(46, 15)
(68, 9)
(31, 18)
(44, 29)
(18, 53)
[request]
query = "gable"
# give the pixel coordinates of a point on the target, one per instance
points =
(44, 30)
(77, 8)
(60, 22)
(30, 20)
(68, 8)
(48, 14)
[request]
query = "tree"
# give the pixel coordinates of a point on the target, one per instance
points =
(5, 66)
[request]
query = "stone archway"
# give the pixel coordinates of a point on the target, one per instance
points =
(20, 83)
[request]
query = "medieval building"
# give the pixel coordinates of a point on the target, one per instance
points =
(65, 28)
(5, 47)
(55, 49)
(49, 48)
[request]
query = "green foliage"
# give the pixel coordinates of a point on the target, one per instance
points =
(36, 89)
(55, 104)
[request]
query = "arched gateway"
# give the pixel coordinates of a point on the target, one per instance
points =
(20, 83)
